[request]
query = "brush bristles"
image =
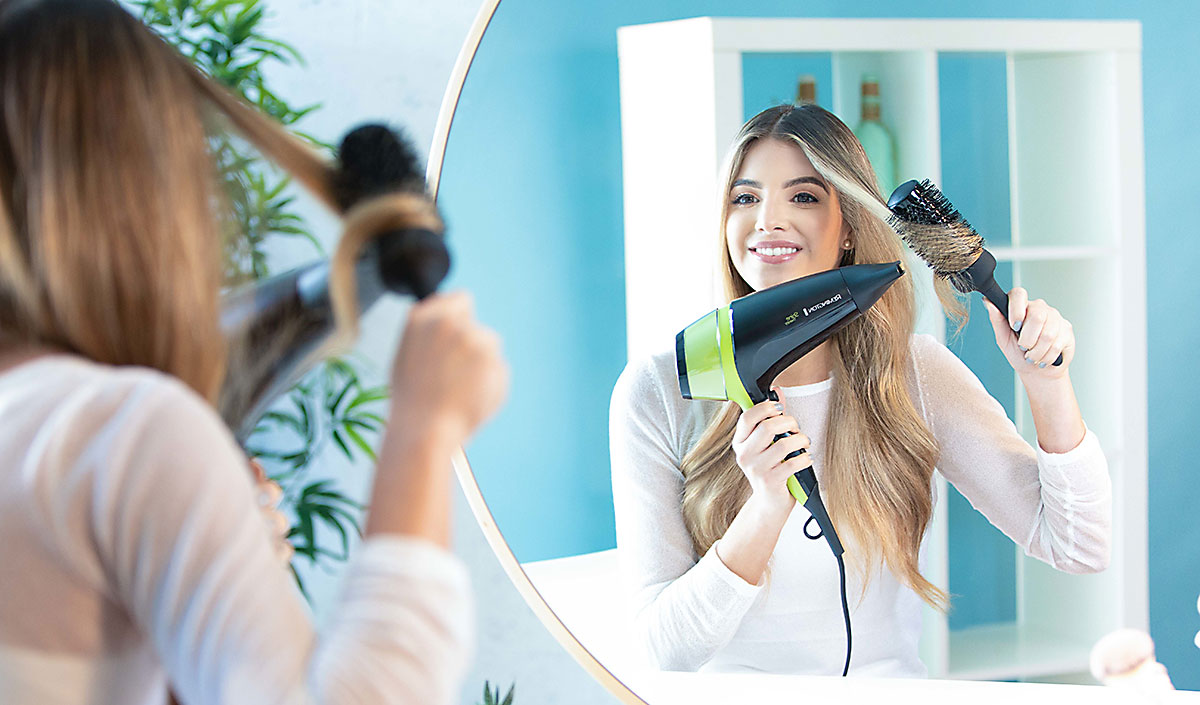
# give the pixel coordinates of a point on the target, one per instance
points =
(948, 249)
(930, 225)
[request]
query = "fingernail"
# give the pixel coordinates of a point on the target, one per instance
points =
(1041, 364)
(1017, 326)
(778, 407)
(1029, 361)
(1022, 348)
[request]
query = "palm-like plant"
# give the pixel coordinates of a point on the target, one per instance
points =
(332, 404)
(492, 696)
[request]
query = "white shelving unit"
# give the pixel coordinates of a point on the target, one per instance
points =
(1078, 240)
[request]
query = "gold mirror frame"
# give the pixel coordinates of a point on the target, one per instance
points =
(462, 468)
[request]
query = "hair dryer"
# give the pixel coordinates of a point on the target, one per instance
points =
(736, 352)
(278, 322)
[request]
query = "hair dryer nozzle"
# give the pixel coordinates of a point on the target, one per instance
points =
(868, 282)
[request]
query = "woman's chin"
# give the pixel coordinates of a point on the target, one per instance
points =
(766, 279)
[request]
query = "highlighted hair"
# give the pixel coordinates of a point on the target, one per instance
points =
(878, 466)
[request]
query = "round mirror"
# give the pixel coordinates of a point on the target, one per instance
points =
(578, 160)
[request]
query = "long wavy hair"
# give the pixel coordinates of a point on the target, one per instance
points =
(879, 464)
(110, 208)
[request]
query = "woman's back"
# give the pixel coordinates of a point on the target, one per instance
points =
(69, 426)
(133, 547)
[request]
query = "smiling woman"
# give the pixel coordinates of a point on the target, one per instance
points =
(875, 407)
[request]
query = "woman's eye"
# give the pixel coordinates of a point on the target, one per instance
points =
(804, 197)
(744, 198)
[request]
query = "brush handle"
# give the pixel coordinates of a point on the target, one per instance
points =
(992, 291)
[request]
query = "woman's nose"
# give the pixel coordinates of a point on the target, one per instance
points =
(769, 216)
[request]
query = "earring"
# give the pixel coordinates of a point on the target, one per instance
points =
(847, 245)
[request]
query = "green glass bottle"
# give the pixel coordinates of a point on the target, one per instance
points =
(876, 139)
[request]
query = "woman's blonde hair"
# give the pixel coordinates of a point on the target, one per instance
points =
(879, 462)
(109, 203)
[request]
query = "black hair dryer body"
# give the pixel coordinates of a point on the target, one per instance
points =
(276, 324)
(736, 352)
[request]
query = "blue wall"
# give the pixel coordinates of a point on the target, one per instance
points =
(544, 255)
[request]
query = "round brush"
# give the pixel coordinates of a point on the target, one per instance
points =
(941, 236)
(374, 160)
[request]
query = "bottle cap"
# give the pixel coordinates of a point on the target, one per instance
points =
(870, 85)
(806, 89)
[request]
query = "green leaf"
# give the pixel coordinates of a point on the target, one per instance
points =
(287, 420)
(337, 438)
(359, 422)
(284, 46)
(360, 442)
(367, 396)
(307, 531)
(376, 418)
(332, 519)
(337, 400)
(339, 366)
(299, 581)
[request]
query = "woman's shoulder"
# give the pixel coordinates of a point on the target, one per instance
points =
(648, 394)
(938, 375)
(70, 390)
(653, 373)
(930, 356)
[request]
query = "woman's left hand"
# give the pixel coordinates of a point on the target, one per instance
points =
(268, 495)
(1041, 334)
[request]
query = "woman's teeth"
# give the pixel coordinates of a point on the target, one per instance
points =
(775, 251)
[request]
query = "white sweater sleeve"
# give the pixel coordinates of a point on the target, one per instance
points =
(685, 609)
(181, 544)
(1056, 506)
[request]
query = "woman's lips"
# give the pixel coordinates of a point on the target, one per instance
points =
(775, 251)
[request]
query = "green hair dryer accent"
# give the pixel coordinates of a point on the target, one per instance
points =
(736, 352)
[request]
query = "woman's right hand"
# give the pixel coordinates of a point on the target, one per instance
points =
(449, 375)
(761, 458)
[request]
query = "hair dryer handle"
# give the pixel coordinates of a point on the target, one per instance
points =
(794, 453)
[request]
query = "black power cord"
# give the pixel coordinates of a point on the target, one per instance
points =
(845, 613)
(807, 493)
(842, 582)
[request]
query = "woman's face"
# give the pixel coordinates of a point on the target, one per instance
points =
(784, 221)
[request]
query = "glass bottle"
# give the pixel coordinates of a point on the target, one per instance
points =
(806, 90)
(875, 137)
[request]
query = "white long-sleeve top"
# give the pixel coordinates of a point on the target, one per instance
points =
(131, 547)
(693, 613)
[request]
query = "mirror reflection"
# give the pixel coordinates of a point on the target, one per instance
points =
(673, 550)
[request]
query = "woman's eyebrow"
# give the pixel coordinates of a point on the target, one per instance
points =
(798, 180)
(807, 180)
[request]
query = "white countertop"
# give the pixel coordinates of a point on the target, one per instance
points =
(736, 688)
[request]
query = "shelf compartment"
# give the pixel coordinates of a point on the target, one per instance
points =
(1012, 652)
